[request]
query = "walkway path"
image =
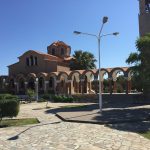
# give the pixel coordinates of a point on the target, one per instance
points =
(53, 134)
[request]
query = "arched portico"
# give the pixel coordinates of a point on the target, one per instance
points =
(73, 82)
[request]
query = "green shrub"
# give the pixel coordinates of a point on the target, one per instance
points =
(30, 94)
(64, 99)
(46, 96)
(9, 108)
(41, 100)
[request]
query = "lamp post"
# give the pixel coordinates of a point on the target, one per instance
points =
(37, 96)
(99, 36)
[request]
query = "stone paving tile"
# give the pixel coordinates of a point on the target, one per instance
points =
(65, 135)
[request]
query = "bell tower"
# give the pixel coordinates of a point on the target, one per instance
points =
(144, 17)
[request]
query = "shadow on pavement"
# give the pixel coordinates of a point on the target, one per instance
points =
(137, 127)
(126, 119)
(89, 107)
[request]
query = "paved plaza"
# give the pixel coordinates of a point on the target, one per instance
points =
(55, 134)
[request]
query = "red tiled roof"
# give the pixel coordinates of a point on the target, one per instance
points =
(52, 57)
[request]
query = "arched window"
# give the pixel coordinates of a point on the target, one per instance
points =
(53, 51)
(62, 51)
(32, 61)
(27, 61)
(35, 60)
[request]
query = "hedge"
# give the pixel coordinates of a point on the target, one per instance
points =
(62, 99)
(9, 108)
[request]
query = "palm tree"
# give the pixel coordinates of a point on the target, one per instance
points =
(141, 63)
(83, 60)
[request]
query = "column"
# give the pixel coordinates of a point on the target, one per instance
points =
(95, 85)
(110, 85)
(16, 87)
(58, 87)
(115, 86)
(68, 87)
(128, 85)
(89, 87)
(82, 86)
(26, 84)
(78, 87)
(36, 89)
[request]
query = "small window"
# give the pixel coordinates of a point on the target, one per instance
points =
(35, 58)
(53, 51)
(27, 62)
(31, 58)
(62, 51)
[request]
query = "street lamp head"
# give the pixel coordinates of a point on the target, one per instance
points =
(115, 33)
(77, 32)
(105, 19)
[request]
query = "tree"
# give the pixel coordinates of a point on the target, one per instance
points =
(141, 63)
(83, 60)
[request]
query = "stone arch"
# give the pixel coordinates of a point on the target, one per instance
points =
(11, 84)
(115, 71)
(63, 74)
(102, 72)
(20, 76)
(87, 78)
(42, 74)
(31, 75)
(20, 84)
(51, 81)
(62, 83)
(74, 78)
(72, 74)
(31, 81)
(117, 86)
(41, 81)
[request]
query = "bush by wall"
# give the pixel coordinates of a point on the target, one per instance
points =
(63, 99)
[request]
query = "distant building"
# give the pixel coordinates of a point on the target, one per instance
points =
(144, 17)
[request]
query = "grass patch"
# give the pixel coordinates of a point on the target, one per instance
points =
(74, 106)
(18, 122)
(146, 134)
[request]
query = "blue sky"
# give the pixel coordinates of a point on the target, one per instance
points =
(35, 24)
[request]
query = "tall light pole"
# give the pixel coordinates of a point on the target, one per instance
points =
(99, 36)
